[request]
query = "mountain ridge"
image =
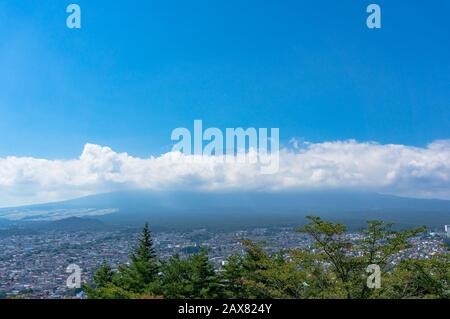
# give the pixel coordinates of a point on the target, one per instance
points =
(174, 209)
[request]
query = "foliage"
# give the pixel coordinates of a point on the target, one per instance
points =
(420, 279)
(103, 276)
(348, 260)
(191, 278)
(333, 267)
(144, 267)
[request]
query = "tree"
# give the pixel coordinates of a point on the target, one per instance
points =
(428, 278)
(109, 292)
(334, 266)
(348, 260)
(260, 275)
(191, 278)
(243, 275)
(143, 269)
(233, 278)
(103, 276)
(132, 280)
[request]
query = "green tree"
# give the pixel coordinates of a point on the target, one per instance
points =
(243, 276)
(103, 276)
(334, 266)
(143, 269)
(260, 275)
(192, 278)
(429, 278)
(129, 281)
(348, 260)
(233, 278)
(109, 292)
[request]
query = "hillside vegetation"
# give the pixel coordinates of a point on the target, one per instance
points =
(334, 267)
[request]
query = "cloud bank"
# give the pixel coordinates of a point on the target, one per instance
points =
(392, 169)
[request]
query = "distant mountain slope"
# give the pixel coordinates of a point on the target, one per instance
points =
(71, 224)
(5, 223)
(75, 224)
(194, 209)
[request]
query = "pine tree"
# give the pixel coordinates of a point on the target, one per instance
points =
(103, 276)
(145, 252)
(234, 276)
(190, 278)
(204, 280)
(143, 269)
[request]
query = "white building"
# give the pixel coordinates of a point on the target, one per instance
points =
(447, 230)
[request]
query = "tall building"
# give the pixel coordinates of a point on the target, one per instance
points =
(447, 230)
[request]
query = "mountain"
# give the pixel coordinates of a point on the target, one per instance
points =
(5, 223)
(75, 224)
(238, 210)
(71, 224)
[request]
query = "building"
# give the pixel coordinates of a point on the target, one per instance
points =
(447, 230)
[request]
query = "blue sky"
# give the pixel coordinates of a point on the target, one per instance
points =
(138, 69)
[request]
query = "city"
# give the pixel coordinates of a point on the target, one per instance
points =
(34, 265)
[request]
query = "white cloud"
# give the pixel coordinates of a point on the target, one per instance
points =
(394, 169)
